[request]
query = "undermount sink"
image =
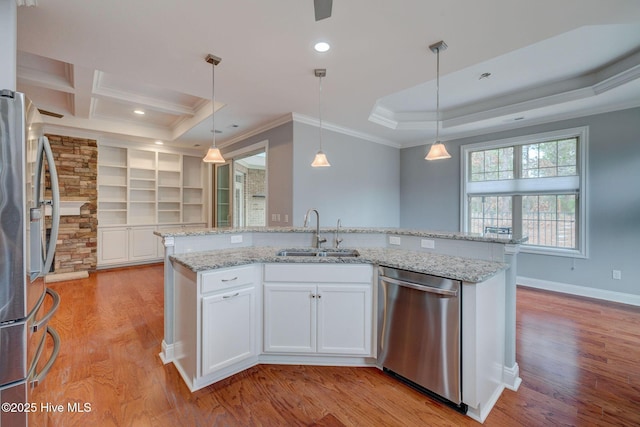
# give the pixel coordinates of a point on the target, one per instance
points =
(320, 252)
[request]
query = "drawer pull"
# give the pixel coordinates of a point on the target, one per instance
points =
(230, 280)
(231, 296)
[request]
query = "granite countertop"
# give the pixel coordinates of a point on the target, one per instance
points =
(452, 267)
(181, 232)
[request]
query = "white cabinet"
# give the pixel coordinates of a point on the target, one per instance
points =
(345, 318)
(143, 244)
(113, 246)
(217, 322)
(124, 245)
(290, 318)
(318, 309)
(228, 328)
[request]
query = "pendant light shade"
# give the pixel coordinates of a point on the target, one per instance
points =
(438, 151)
(213, 155)
(320, 161)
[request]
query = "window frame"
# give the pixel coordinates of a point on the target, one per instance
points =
(520, 186)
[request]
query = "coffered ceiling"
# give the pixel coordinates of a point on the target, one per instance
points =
(509, 64)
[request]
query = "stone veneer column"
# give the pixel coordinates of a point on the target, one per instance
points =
(77, 165)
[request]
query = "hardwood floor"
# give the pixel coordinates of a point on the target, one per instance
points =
(579, 361)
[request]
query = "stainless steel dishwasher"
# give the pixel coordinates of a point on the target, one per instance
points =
(419, 332)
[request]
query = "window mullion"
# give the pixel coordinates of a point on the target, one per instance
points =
(516, 216)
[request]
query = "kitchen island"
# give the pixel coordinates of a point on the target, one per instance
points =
(209, 267)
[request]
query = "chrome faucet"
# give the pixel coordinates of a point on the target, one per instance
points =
(317, 239)
(337, 239)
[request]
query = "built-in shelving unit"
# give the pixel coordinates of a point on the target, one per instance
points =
(112, 185)
(141, 190)
(148, 187)
(192, 189)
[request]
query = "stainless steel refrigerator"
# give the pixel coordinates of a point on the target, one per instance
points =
(27, 245)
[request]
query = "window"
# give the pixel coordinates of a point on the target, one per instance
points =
(531, 186)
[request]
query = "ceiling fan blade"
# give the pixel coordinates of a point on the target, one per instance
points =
(322, 8)
(50, 113)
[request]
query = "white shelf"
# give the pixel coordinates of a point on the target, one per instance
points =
(139, 186)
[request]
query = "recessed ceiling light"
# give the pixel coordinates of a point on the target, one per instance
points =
(139, 112)
(484, 76)
(159, 142)
(322, 47)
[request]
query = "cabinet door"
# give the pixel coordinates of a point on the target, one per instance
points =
(113, 246)
(143, 244)
(289, 318)
(228, 328)
(344, 318)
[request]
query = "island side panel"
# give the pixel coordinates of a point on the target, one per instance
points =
(483, 332)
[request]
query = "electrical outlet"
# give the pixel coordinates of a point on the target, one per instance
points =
(394, 240)
(286, 218)
(428, 244)
(273, 217)
(236, 238)
(616, 274)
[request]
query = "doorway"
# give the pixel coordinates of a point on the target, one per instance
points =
(240, 186)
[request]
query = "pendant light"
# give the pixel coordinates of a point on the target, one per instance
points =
(320, 161)
(213, 155)
(438, 151)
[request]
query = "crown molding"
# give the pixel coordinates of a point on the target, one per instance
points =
(300, 118)
(286, 118)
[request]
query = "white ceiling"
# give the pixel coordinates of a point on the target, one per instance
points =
(96, 61)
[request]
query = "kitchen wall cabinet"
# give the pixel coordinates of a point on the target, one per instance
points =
(312, 309)
(146, 188)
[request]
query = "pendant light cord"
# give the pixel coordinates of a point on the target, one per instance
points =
(213, 103)
(320, 110)
(437, 95)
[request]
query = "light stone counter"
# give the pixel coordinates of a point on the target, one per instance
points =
(452, 267)
(181, 232)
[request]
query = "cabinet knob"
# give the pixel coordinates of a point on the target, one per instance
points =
(312, 296)
(319, 296)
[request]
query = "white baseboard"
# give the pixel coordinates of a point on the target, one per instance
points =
(166, 355)
(582, 291)
(511, 377)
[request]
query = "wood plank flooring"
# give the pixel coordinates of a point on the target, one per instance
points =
(579, 360)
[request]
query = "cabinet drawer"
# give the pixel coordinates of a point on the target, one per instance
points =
(227, 278)
(318, 273)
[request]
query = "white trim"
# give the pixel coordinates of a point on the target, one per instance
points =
(583, 152)
(166, 355)
(583, 291)
(274, 124)
(343, 130)
(511, 377)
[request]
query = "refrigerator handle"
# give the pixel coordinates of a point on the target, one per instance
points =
(55, 205)
(39, 376)
(56, 302)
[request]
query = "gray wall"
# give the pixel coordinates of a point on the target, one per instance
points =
(279, 169)
(430, 190)
(429, 198)
(360, 187)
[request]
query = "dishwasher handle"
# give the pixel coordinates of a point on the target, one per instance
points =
(422, 288)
